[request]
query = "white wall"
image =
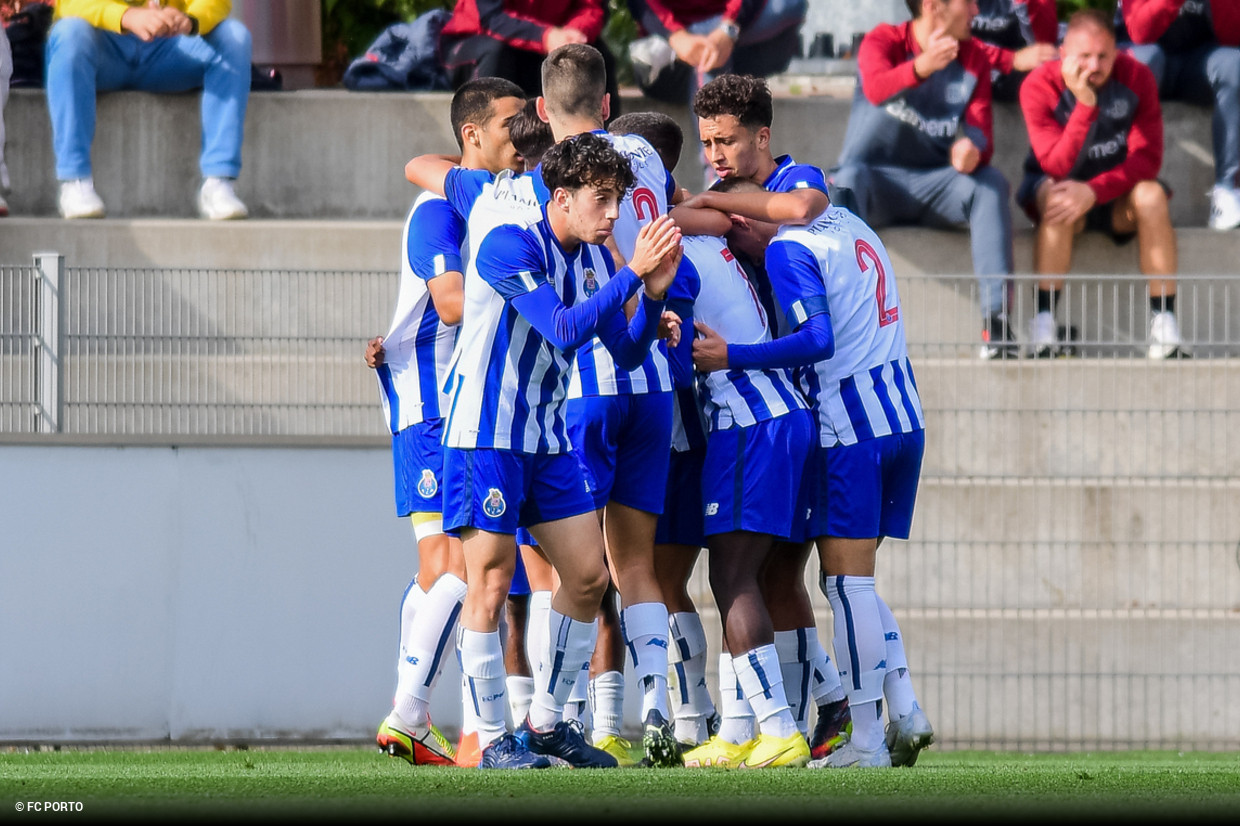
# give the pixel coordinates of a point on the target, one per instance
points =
(199, 593)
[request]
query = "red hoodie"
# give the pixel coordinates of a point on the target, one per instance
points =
(1148, 20)
(523, 24)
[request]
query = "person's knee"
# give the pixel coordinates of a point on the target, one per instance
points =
(1224, 69)
(989, 179)
(232, 40)
(69, 38)
(592, 584)
(1149, 200)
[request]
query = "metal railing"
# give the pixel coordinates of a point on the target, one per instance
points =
(1073, 577)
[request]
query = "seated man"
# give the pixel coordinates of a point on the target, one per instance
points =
(1096, 145)
(918, 146)
(510, 38)
(1017, 36)
(1192, 49)
(104, 45)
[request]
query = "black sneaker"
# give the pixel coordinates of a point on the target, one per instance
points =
(567, 741)
(831, 730)
(997, 339)
(659, 743)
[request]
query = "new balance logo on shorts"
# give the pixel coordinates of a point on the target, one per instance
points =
(712, 508)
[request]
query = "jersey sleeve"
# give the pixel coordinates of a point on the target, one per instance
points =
(801, 176)
(461, 187)
(797, 281)
(436, 232)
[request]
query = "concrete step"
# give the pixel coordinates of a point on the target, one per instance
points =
(332, 153)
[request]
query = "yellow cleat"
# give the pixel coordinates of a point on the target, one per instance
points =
(423, 746)
(618, 748)
(717, 753)
(770, 752)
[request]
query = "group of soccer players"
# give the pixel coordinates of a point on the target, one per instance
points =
(590, 376)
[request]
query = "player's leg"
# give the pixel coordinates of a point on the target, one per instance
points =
(520, 679)
(1145, 211)
(606, 681)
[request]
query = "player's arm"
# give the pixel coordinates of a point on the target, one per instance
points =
(1055, 147)
(430, 171)
(793, 273)
(797, 207)
(433, 250)
(884, 66)
(1145, 142)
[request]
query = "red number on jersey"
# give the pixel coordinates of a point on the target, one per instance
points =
(645, 204)
(866, 256)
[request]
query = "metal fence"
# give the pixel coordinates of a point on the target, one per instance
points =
(1073, 578)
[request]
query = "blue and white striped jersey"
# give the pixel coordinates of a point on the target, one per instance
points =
(596, 373)
(839, 266)
(790, 176)
(728, 304)
(418, 345)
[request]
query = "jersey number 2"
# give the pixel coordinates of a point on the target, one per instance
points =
(867, 257)
(645, 204)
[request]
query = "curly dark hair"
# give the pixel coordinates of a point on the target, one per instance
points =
(745, 97)
(587, 160)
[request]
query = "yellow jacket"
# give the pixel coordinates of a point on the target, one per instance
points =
(106, 14)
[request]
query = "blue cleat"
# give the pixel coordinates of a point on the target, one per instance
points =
(511, 752)
(567, 742)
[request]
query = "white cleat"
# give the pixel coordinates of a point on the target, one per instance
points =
(849, 756)
(908, 736)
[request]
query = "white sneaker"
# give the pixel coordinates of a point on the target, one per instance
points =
(849, 756)
(1165, 339)
(78, 199)
(908, 736)
(1043, 335)
(218, 202)
(1224, 208)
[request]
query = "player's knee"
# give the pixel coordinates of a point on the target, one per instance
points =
(1149, 200)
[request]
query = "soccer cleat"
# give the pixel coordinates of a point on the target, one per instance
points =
(717, 753)
(908, 736)
(218, 202)
(771, 752)
(659, 742)
(848, 756)
(566, 741)
(78, 199)
(1224, 208)
(1165, 342)
(1043, 336)
(467, 752)
(997, 340)
(511, 751)
(618, 748)
(713, 723)
(832, 729)
(421, 746)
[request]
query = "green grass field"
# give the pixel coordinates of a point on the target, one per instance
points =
(332, 783)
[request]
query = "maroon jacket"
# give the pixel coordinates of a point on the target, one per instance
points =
(1112, 146)
(1039, 16)
(523, 24)
(1148, 20)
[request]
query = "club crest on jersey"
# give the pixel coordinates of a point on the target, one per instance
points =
(427, 486)
(494, 505)
(590, 286)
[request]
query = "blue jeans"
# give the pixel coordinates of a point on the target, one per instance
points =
(1205, 75)
(944, 198)
(81, 60)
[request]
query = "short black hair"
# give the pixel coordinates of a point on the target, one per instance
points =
(473, 102)
(745, 97)
(531, 135)
(735, 183)
(587, 160)
(660, 130)
(914, 7)
(574, 80)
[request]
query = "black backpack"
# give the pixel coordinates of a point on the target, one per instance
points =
(402, 58)
(27, 32)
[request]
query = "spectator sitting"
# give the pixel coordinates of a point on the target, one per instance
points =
(1096, 137)
(918, 146)
(1192, 49)
(711, 37)
(510, 38)
(104, 45)
(1017, 36)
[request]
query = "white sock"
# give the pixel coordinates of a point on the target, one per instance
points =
(644, 627)
(691, 703)
(482, 663)
(860, 651)
(536, 629)
(469, 717)
(427, 646)
(738, 717)
(520, 694)
(607, 704)
(793, 648)
(898, 684)
(760, 676)
(577, 706)
(410, 601)
(569, 646)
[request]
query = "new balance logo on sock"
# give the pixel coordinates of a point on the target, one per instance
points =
(411, 660)
(662, 643)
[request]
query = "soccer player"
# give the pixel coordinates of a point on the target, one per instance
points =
(411, 364)
(535, 292)
(835, 274)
